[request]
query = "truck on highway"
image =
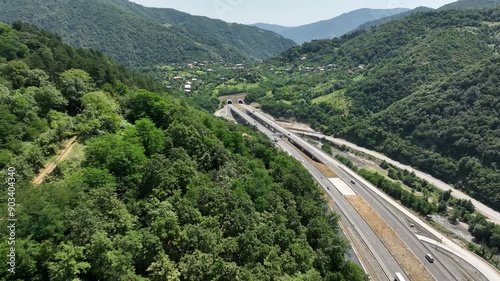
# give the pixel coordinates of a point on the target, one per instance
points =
(399, 277)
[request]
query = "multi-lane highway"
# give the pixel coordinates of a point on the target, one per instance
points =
(385, 259)
(395, 216)
(491, 214)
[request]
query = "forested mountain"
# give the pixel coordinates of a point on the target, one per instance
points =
(272, 27)
(137, 35)
(423, 89)
(471, 4)
(374, 23)
(458, 5)
(331, 28)
(457, 117)
(154, 189)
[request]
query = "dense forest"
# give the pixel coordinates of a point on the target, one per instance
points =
(161, 191)
(471, 4)
(135, 35)
(423, 89)
(374, 23)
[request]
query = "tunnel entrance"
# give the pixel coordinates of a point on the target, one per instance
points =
(229, 102)
(240, 101)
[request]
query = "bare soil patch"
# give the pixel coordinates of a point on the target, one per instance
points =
(295, 126)
(49, 167)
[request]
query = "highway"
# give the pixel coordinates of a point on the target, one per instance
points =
(394, 214)
(437, 269)
(385, 259)
(491, 214)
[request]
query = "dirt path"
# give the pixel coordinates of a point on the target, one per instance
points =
(49, 167)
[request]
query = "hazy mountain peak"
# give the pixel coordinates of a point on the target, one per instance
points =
(334, 27)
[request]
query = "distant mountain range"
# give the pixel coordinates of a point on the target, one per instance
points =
(136, 35)
(331, 28)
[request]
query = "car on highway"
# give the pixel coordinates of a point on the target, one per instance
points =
(399, 277)
(353, 182)
(429, 258)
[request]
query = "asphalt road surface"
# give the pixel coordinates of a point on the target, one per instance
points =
(491, 214)
(442, 269)
(387, 262)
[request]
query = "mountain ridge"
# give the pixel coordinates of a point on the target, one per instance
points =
(137, 35)
(471, 4)
(330, 28)
(366, 86)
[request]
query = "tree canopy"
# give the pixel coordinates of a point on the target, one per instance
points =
(158, 191)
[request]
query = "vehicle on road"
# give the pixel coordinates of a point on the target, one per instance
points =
(412, 225)
(353, 182)
(399, 277)
(429, 258)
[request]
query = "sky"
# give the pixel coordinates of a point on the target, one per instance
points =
(282, 12)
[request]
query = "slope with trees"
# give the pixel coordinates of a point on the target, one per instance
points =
(162, 192)
(371, 24)
(136, 35)
(471, 5)
(421, 89)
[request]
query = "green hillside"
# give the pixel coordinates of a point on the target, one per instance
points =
(155, 189)
(136, 35)
(371, 24)
(458, 5)
(449, 128)
(389, 68)
(471, 4)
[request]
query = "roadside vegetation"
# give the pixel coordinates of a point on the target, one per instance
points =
(157, 189)
(422, 90)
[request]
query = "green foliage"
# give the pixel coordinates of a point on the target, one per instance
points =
(327, 148)
(346, 162)
(163, 191)
(74, 84)
(411, 180)
(121, 158)
(136, 35)
(471, 4)
(46, 95)
(427, 96)
(151, 138)
(398, 192)
(68, 263)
